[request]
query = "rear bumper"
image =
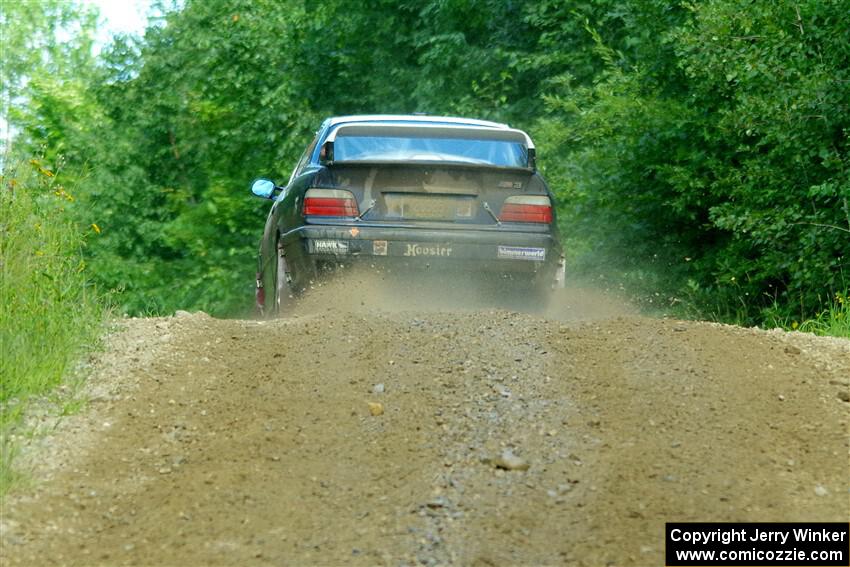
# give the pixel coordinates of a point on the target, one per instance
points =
(490, 250)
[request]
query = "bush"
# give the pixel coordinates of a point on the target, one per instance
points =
(717, 158)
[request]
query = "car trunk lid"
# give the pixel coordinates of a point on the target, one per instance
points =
(431, 193)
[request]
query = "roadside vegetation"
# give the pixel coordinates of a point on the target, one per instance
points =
(49, 313)
(833, 320)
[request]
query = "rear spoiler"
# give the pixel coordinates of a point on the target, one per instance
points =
(460, 132)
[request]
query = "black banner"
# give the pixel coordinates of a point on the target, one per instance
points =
(761, 544)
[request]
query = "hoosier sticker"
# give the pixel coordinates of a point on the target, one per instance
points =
(425, 250)
(522, 253)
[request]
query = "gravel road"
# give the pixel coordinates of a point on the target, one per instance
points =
(391, 431)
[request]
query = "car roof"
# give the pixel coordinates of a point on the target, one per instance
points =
(415, 118)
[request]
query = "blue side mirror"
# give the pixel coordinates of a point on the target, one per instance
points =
(263, 188)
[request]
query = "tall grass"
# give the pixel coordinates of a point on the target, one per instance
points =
(48, 313)
(832, 321)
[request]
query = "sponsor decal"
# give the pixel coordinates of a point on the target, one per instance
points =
(354, 232)
(522, 253)
(427, 250)
(330, 246)
(379, 247)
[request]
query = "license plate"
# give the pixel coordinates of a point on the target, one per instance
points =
(429, 207)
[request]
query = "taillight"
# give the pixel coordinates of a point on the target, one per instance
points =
(330, 203)
(527, 208)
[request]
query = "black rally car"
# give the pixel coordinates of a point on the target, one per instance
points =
(410, 192)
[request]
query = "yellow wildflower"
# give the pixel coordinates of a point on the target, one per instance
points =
(64, 194)
(95, 228)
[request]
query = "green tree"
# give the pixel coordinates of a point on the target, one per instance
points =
(713, 150)
(46, 48)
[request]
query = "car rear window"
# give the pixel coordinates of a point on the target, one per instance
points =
(389, 148)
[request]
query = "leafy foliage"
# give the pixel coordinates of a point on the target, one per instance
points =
(34, 50)
(701, 149)
(727, 170)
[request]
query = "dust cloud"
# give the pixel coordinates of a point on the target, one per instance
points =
(369, 290)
